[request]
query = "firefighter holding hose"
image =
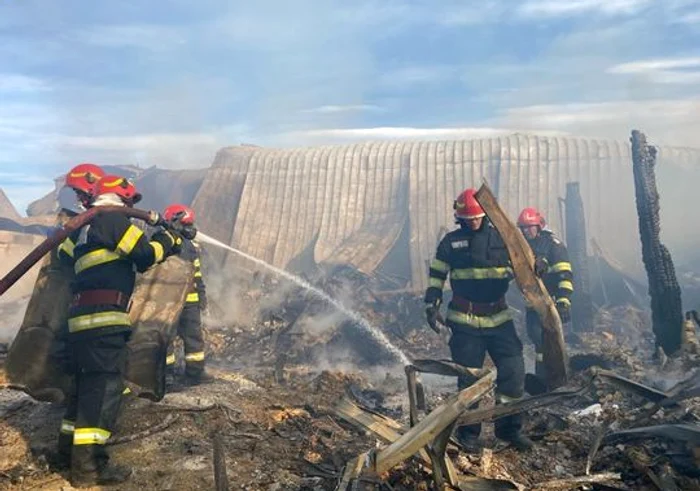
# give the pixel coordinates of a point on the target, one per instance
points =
(106, 254)
(477, 263)
(189, 327)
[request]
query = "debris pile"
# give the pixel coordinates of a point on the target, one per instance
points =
(282, 422)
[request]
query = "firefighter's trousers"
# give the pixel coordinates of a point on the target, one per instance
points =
(189, 329)
(94, 401)
(469, 346)
(535, 333)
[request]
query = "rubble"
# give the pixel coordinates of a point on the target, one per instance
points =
(303, 401)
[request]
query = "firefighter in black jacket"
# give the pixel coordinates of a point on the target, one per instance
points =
(553, 266)
(189, 327)
(106, 254)
(477, 262)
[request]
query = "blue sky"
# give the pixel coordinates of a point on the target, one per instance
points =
(168, 83)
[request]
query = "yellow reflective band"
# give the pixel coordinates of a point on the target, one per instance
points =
(196, 263)
(559, 267)
(483, 321)
(67, 427)
(441, 266)
(566, 285)
(100, 319)
(196, 356)
(565, 301)
(539, 357)
(90, 436)
(158, 251)
(170, 360)
(192, 297)
(482, 274)
(95, 258)
(129, 239)
(112, 184)
(126, 391)
(436, 282)
(198, 274)
(67, 246)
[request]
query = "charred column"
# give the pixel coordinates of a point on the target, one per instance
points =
(576, 243)
(665, 293)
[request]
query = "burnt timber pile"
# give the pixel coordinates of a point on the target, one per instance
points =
(304, 401)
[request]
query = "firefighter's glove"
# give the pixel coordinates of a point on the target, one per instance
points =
(431, 314)
(541, 266)
(564, 310)
(171, 241)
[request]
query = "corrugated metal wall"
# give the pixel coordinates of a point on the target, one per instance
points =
(354, 200)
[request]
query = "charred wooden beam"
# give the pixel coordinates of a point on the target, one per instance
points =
(665, 293)
(220, 475)
(576, 243)
(523, 260)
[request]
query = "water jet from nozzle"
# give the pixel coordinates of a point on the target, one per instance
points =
(360, 321)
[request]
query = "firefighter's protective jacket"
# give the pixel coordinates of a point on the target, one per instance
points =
(197, 295)
(559, 276)
(479, 268)
(106, 254)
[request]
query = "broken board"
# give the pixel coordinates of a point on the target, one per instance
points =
(522, 259)
(37, 355)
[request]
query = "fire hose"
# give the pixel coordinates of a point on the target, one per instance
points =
(79, 221)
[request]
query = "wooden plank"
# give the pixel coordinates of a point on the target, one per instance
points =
(522, 260)
(352, 471)
(433, 424)
(385, 428)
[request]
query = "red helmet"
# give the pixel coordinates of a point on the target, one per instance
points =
(118, 185)
(185, 213)
(530, 217)
(467, 207)
(83, 177)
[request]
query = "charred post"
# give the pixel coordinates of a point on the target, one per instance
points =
(665, 293)
(582, 304)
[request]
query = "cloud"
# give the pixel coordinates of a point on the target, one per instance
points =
(556, 8)
(663, 70)
(335, 109)
(416, 75)
(173, 150)
(402, 133)
(141, 36)
(22, 83)
(690, 18)
(668, 122)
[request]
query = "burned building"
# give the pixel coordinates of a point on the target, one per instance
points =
(382, 206)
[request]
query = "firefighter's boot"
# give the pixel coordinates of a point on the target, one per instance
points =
(90, 467)
(198, 378)
(61, 458)
(468, 438)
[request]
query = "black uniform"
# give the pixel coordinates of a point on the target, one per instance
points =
(558, 279)
(190, 324)
(106, 256)
(479, 269)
